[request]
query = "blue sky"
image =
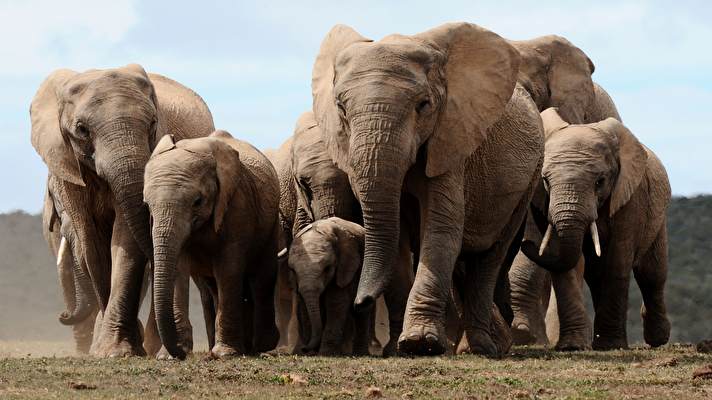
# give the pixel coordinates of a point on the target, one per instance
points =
(252, 62)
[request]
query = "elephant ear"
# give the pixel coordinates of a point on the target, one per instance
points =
(552, 121)
(350, 238)
(480, 74)
(47, 138)
(227, 167)
(326, 112)
(166, 143)
(633, 158)
(569, 77)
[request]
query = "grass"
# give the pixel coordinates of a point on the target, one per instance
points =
(526, 373)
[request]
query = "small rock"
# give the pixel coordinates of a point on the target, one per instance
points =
(374, 392)
(80, 386)
(703, 373)
(294, 379)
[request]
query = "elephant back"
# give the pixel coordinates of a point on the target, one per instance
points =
(181, 112)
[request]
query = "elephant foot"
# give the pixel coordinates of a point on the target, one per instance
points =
(705, 346)
(119, 349)
(522, 335)
(391, 349)
(656, 330)
(605, 344)
(423, 340)
(267, 341)
(479, 342)
(572, 342)
(224, 351)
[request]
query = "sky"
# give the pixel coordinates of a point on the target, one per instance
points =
(251, 62)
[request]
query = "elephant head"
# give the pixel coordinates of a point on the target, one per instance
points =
(322, 189)
(326, 252)
(99, 123)
(590, 172)
(557, 74)
(188, 188)
(382, 105)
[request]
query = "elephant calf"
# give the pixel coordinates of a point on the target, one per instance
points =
(214, 205)
(325, 263)
(605, 197)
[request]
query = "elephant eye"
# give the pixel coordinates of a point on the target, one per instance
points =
(423, 106)
(198, 202)
(599, 182)
(546, 184)
(81, 130)
(342, 109)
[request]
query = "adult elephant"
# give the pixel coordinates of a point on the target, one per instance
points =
(433, 124)
(606, 200)
(95, 131)
(556, 73)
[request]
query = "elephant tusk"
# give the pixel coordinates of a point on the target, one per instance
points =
(60, 252)
(594, 236)
(282, 253)
(545, 241)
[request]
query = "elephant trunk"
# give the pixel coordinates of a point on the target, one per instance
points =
(311, 302)
(126, 153)
(378, 184)
(168, 238)
(84, 297)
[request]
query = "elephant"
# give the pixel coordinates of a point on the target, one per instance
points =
(323, 191)
(434, 126)
(324, 262)
(556, 73)
(214, 205)
(80, 303)
(95, 131)
(604, 198)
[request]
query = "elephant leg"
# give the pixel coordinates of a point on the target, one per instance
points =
(503, 290)
(396, 294)
(283, 304)
(83, 333)
(230, 338)
(573, 321)
(363, 333)
(442, 211)
(337, 309)
(266, 335)
(151, 339)
(120, 334)
(651, 275)
(609, 325)
(207, 287)
(530, 286)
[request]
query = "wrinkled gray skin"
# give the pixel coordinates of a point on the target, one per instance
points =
(80, 303)
(214, 206)
(435, 116)
(323, 191)
(95, 131)
(285, 305)
(556, 73)
(599, 173)
(325, 262)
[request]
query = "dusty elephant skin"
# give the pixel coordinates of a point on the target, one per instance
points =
(325, 262)
(606, 198)
(95, 131)
(555, 73)
(434, 118)
(214, 206)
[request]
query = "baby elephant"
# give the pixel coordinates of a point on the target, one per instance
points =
(325, 263)
(605, 197)
(213, 204)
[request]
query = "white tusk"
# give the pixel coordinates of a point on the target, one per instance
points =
(282, 253)
(594, 236)
(545, 241)
(60, 252)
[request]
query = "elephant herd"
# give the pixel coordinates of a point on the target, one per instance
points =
(459, 184)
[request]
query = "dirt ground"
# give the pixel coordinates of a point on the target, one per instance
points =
(26, 371)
